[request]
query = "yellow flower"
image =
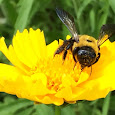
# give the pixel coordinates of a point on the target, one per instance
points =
(39, 76)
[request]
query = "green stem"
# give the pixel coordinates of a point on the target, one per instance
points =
(57, 110)
(105, 108)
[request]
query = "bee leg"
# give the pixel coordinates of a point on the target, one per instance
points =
(64, 55)
(62, 47)
(59, 50)
(67, 48)
(97, 58)
(74, 53)
(74, 60)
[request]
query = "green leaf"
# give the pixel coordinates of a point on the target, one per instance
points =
(82, 109)
(43, 109)
(102, 20)
(10, 108)
(22, 19)
(37, 7)
(112, 4)
(69, 110)
(92, 20)
(82, 8)
(9, 99)
(9, 11)
(1, 1)
(25, 111)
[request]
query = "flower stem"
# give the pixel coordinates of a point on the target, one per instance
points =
(105, 108)
(57, 110)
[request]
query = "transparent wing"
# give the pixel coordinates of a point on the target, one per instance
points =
(106, 32)
(68, 20)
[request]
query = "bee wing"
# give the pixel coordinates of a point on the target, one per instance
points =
(68, 20)
(106, 31)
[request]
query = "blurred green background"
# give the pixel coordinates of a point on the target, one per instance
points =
(89, 16)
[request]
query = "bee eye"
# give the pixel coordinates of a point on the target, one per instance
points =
(89, 40)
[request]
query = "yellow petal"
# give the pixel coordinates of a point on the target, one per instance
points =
(51, 48)
(23, 49)
(38, 42)
(6, 78)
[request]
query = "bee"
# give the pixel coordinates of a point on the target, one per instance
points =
(85, 49)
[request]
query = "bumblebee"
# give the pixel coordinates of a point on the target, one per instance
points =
(84, 48)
